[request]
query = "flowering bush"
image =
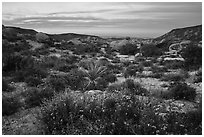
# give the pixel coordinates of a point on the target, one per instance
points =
(84, 113)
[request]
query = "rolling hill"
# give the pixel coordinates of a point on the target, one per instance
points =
(193, 33)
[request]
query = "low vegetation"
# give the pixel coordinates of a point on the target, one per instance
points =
(10, 105)
(84, 86)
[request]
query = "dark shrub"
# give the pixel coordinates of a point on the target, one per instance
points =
(193, 56)
(102, 83)
(180, 76)
(156, 75)
(16, 62)
(172, 77)
(11, 62)
(36, 96)
(10, 105)
(66, 67)
(150, 51)
(36, 71)
(198, 77)
(33, 81)
(129, 86)
(58, 83)
(114, 67)
(104, 62)
(5, 86)
(147, 63)
(110, 78)
(75, 79)
(174, 65)
(115, 87)
(135, 87)
(181, 91)
(132, 70)
(50, 62)
(126, 63)
(129, 49)
(157, 69)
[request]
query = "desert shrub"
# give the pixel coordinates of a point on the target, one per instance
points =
(115, 60)
(156, 69)
(184, 123)
(180, 76)
(156, 75)
(126, 63)
(82, 113)
(150, 50)
(5, 86)
(36, 71)
(114, 114)
(129, 86)
(115, 87)
(66, 67)
(193, 57)
(153, 122)
(135, 87)
(75, 79)
(129, 49)
(104, 61)
(181, 91)
(11, 62)
(33, 81)
(42, 37)
(36, 96)
(50, 62)
(132, 70)
(58, 83)
(10, 105)
(172, 77)
(17, 62)
(147, 63)
(198, 77)
(174, 64)
(114, 67)
(110, 78)
(150, 123)
(199, 73)
(72, 59)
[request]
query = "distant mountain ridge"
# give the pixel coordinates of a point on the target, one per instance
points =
(193, 33)
(65, 36)
(69, 36)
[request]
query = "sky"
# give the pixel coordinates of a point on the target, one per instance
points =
(119, 19)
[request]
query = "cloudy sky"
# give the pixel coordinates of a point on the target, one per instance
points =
(104, 19)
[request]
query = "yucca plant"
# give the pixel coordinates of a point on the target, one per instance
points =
(93, 74)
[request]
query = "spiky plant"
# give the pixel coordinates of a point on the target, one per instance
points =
(93, 73)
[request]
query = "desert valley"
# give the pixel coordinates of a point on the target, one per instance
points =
(84, 84)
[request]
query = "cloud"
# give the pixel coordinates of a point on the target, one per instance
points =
(102, 17)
